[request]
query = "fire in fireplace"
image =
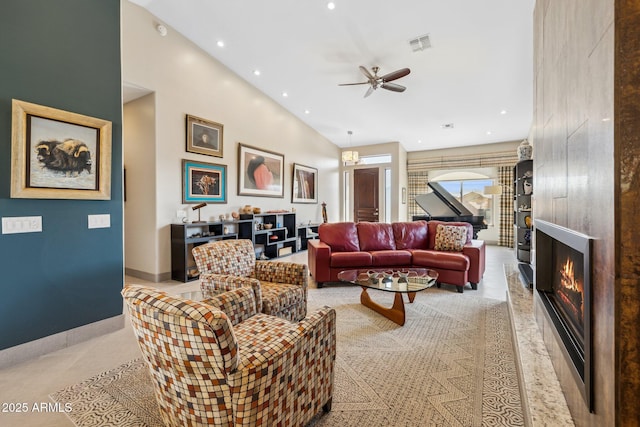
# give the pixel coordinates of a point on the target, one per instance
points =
(563, 283)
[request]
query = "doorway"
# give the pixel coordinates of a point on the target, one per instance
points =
(366, 205)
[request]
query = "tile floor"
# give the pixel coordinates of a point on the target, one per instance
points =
(32, 381)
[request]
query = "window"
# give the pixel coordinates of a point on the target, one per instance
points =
(375, 160)
(387, 195)
(470, 192)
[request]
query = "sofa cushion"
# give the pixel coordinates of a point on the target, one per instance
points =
(340, 236)
(433, 227)
(350, 259)
(450, 238)
(441, 260)
(410, 235)
(375, 236)
(390, 258)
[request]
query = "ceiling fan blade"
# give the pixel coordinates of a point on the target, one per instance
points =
(395, 75)
(366, 73)
(369, 91)
(393, 87)
(352, 84)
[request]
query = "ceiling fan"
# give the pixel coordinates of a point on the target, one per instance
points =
(376, 81)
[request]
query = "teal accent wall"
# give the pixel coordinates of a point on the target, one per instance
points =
(63, 54)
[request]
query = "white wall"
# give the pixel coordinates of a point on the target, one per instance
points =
(186, 80)
(141, 248)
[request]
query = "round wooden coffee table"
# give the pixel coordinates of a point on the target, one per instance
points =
(401, 281)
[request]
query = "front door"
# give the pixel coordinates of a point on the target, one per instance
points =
(365, 195)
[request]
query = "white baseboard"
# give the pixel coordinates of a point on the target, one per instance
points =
(32, 349)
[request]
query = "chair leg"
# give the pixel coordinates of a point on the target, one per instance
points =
(319, 284)
(474, 286)
(438, 285)
(460, 289)
(326, 408)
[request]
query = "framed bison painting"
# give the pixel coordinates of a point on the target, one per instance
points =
(57, 154)
(203, 182)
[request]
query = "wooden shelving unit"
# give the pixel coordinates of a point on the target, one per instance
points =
(279, 240)
(523, 217)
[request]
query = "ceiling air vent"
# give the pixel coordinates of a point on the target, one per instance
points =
(420, 43)
(447, 126)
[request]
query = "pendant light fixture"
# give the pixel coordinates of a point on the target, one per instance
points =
(350, 156)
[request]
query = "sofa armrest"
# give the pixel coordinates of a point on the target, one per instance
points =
(475, 250)
(319, 260)
(283, 272)
(228, 282)
(238, 304)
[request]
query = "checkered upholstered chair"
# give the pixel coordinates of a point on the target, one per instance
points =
(280, 287)
(208, 371)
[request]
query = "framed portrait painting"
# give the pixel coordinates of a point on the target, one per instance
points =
(203, 182)
(57, 154)
(305, 184)
(260, 172)
(204, 136)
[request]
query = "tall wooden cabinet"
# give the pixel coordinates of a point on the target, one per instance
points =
(523, 217)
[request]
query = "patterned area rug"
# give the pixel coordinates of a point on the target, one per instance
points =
(451, 364)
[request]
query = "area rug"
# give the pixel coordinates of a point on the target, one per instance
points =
(451, 364)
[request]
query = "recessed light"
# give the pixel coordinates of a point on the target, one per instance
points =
(307, 112)
(419, 141)
(488, 132)
(256, 72)
(331, 5)
(503, 112)
(220, 43)
(285, 94)
(161, 29)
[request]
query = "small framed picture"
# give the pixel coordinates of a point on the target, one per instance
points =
(260, 172)
(204, 136)
(305, 184)
(203, 182)
(57, 154)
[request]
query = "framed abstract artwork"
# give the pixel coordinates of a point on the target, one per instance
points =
(305, 184)
(57, 154)
(260, 172)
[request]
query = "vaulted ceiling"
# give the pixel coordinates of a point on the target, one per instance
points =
(472, 86)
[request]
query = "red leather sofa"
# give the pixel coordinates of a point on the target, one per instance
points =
(375, 245)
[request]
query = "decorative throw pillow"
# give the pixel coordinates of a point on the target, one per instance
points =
(450, 238)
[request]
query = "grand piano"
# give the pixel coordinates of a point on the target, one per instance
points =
(439, 204)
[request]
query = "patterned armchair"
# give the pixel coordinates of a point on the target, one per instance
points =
(280, 287)
(262, 370)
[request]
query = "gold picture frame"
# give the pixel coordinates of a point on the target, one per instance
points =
(57, 154)
(204, 136)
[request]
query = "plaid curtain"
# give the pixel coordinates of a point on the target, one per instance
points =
(417, 184)
(505, 178)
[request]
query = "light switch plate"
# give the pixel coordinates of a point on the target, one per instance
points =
(99, 221)
(21, 224)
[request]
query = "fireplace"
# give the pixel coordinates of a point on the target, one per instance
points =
(563, 283)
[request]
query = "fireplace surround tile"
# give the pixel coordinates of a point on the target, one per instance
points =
(544, 401)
